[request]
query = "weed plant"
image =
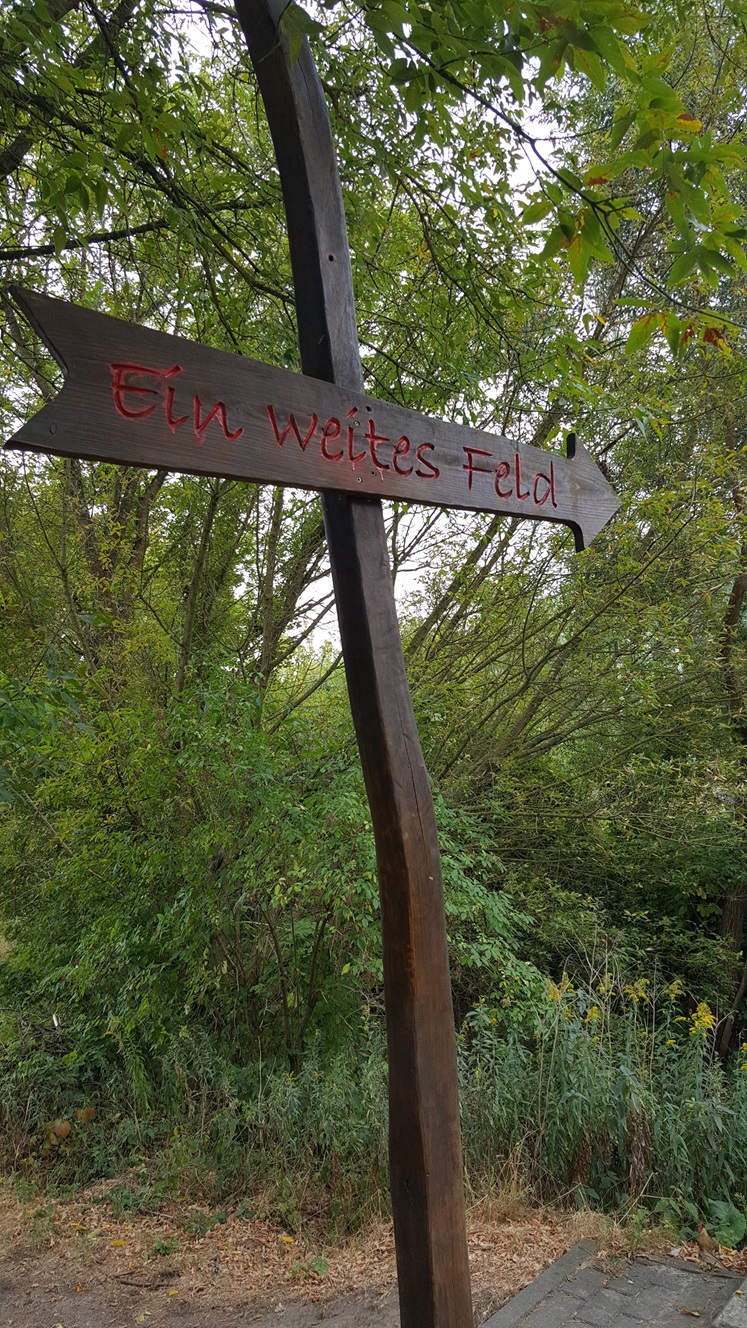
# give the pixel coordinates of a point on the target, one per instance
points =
(614, 1099)
(608, 1094)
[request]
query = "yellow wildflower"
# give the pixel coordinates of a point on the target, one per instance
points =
(555, 992)
(702, 1021)
(593, 1013)
(675, 989)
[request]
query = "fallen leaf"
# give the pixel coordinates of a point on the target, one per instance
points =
(693, 1314)
(119, 1242)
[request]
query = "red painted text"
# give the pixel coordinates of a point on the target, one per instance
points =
(154, 390)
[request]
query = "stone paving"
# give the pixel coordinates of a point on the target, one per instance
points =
(665, 1294)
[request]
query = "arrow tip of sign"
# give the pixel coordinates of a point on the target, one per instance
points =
(607, 500)
(578, 534)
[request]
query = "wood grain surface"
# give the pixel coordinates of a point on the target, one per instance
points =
(145, 398)
(425, 1156)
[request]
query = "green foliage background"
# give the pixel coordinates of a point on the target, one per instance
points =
(546, 217)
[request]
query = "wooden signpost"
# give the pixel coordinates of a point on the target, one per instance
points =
(143, 398)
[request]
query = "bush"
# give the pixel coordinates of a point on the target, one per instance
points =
(605, 1095)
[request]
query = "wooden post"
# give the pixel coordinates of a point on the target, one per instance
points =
(424, 1138)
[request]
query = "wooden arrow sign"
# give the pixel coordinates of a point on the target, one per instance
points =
(149, 399)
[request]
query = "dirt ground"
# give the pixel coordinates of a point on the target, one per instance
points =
(77, 1265)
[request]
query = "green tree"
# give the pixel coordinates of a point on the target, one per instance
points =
(187, 876)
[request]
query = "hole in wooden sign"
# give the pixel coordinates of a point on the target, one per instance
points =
(331, 258)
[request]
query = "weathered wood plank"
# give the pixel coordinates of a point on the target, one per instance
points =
(141, 397)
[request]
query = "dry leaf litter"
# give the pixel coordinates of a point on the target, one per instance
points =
(242, 1260)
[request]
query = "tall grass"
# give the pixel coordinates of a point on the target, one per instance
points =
(608, 1094)
(615, 1098)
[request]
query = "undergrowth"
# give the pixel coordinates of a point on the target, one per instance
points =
(606, 1095)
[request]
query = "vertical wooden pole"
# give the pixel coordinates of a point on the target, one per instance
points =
(424, 1138)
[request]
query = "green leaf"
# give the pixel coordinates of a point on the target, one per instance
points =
(641, 333)
(736, 250)
(621, 127)
(551, 63)
(570, 178)
(728, 1224)
(681, 268)
(675, 206)
(413, 94)
(125, 134)
(660, 93)
(588, 62)
(673, 332)
(395, 13)
(101, 193)
(536, 211)
(296, 19)
(295, 44)
(626, 18)
(579, 256)
(649, 138)
(556, 240)
(615, 52)
(721, 263)
(401, 71)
